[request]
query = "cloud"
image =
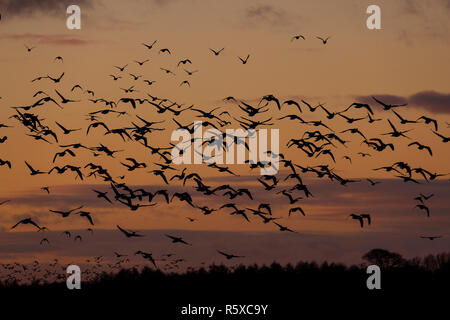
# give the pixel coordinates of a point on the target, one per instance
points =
(162, 3)
(433, 101)
(267, 14)
(55, 39)
(32, 7)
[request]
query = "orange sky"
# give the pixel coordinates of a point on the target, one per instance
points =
(409, 55)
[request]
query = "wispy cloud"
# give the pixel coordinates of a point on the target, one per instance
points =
(265, 14)
(433, 101)
(14, 8)
(55, 39)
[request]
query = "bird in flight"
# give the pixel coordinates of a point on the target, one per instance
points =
(46, 189)
(149, 46)
(33, 171)
(178, 240)
(147, 256)
(165, 50)
(387, 107)
(27, 221)
(324, 41)
(121, 68)
(129, 233)
(65, 214)
(216, 52)
(185, 82)
(244, 61)
(229, 256)
(431, 237)
(3, 202)
(425, 208)
(65, 130)
(29, 48)
(141, 63)
(297, 37)
(86, 215)
(360, 218)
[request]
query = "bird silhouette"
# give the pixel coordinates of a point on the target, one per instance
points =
(229, 256)
(216, 52)
(178, 240)
(244, 61)
(297, 37)
(324, 40)
(129, 233)
(27, 221)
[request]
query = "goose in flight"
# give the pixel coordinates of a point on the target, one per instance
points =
(147, 256)
(186, 82)
(244, 61)
(229, 256)
(167, 71)
(87, 215)
(358, 105)
(64, 100)
(424, 207)
(184, 62)
(102, 195)
(56, 80)
(65, 130)
(358, 217)
(118, 255)
(431, 237)
(121, 68)
(403, 120)
(149, 82)
(29, 48)
(3, 202)
(46, 189)
(324, 41)
(178, 240)
(297, 37)
(421, 147)
(5, 163)
(190, 73)
(387, 107)
(115, 78)
(396, 133)
(216, 52)
(65, 214)
(129, 233)
(428, 120)
(426, 197)
(135, 77)
(292, 200)
(141, 63)
(299, 209)
(373, 183)
(444, 139)
(164, 50)
(149, 46)
(27, 221)
(33, 171)
(283, 228)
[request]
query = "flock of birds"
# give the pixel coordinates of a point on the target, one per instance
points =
(316, 140)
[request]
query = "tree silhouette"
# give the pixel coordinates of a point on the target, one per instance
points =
(384, 258)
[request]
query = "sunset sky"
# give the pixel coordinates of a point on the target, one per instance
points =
(404, 62)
